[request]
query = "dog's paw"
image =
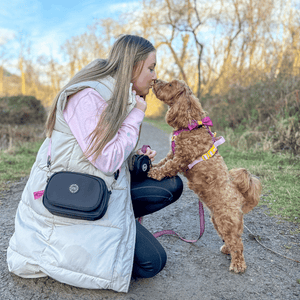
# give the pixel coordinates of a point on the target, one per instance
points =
(238, 267)
(155, 174)
(225, 250)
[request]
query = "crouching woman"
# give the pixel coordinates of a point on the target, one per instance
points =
(93, 127)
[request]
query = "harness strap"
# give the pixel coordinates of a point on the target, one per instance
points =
(211, 152)
(191, 126)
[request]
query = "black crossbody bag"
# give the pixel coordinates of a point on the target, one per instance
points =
(75, 195)
(84, 196)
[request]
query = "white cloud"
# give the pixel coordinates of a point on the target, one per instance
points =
(124, 7)
(6, 35)
(48, 44)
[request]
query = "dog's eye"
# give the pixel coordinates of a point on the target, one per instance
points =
(170, 84)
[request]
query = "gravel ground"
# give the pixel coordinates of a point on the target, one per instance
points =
(193, 271)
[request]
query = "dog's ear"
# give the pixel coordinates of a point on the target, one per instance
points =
(181, 113)
(186, 107)
(188, 91)
(180, 88)
(194, 108)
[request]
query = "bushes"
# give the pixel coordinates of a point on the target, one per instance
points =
(16, 135)
(286, 134)
(256, 104)
(21, 110)
(266, 113)
(21, 120)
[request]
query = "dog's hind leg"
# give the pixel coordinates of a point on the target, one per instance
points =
(230, 227)
(224, 249)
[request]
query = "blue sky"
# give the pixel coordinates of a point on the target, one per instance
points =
(48, 23)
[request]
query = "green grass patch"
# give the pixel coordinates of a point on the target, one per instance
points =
(279, 174)
(17, 163)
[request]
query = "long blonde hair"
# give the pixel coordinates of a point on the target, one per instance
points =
(124, 64)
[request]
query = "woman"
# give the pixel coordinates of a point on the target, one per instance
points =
(94, 126)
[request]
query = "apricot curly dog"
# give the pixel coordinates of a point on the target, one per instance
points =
(227, 194)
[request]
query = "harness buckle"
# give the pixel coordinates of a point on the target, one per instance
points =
(211, 152)
(205, 156)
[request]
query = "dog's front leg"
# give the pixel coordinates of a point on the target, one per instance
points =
(169, 156)
(169, 169)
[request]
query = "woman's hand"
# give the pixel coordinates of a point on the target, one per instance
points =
(140, 102)
(150, 153)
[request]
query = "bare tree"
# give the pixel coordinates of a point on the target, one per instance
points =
(3, 60)
(82, 49)
(187, 19)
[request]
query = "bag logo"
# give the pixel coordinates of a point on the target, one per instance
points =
(74, 188)
(144, 167)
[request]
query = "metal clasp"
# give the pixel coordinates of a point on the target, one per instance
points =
(49, 167)
(48, 162)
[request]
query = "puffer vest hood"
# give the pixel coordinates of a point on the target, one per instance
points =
(88, 254)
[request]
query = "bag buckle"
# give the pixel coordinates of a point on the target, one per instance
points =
(116, 174)
(48, 161)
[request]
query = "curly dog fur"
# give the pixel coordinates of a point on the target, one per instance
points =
(227, 194)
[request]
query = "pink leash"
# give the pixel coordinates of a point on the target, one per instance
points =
(163, 232)
(202, 227)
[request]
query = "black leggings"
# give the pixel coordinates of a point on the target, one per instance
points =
(149, 196)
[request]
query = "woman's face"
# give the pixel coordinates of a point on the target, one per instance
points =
(145, 80)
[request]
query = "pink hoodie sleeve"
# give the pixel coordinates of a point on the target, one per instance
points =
(82, 114)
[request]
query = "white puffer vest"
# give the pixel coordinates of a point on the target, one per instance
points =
(88, 254)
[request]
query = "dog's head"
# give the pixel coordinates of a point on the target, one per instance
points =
(183, 105)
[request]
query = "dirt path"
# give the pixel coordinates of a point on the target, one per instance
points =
(196, 271)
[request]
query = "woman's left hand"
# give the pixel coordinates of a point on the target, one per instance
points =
(150, 153)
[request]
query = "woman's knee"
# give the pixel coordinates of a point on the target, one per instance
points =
(179, 187)
(150, 268)
(175, 186)
(150, 257)
(159, 262)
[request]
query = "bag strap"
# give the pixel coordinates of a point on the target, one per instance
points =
(116, 174)
(39, 194)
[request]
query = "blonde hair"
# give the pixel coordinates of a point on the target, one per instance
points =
(124, 63)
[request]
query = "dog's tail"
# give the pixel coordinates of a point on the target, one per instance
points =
(248, 185)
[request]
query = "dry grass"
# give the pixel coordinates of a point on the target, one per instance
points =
(264, 115)
(15, 135)
(19, 145)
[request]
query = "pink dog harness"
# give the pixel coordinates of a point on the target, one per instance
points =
(195, 125)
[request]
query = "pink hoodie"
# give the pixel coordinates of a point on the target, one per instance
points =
(82, 114)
